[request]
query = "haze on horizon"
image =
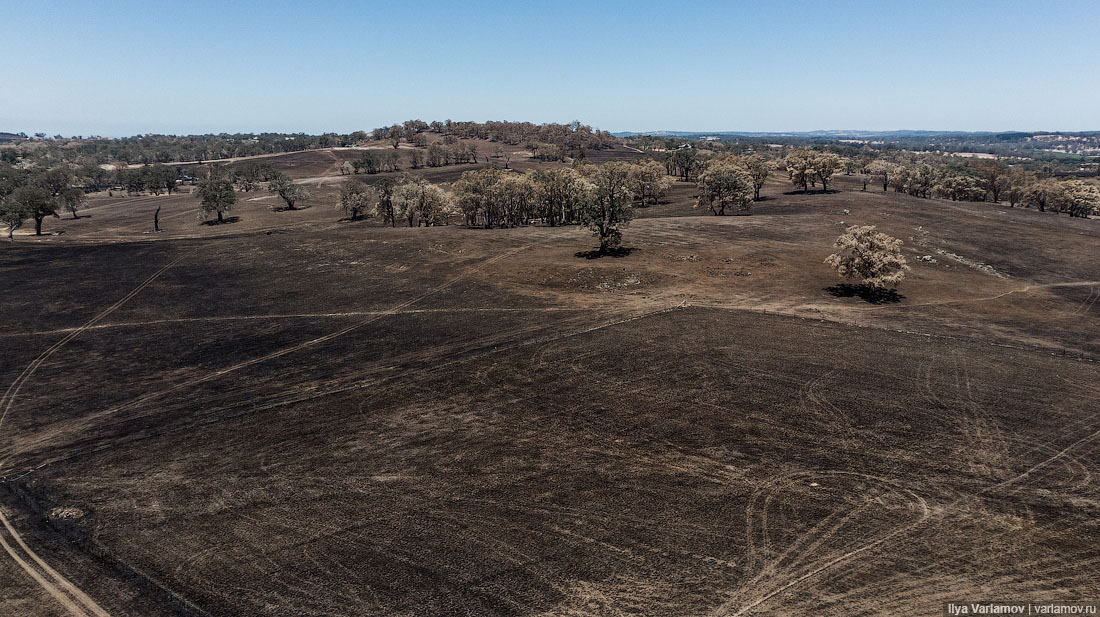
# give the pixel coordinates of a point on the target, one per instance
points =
(130, 68)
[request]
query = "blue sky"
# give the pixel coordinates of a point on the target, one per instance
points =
(122, 67)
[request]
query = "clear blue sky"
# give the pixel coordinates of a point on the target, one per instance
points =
(126, 67)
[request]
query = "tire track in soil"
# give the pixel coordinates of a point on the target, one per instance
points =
(925, 513)
(300, 346)
(68, 595)
(724, 609)
(82, 601)
(335, 315)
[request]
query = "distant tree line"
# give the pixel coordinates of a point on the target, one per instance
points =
(572, 136)
(925, 175)
(166, 149)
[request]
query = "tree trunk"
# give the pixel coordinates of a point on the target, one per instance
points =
(220, 219)
(38, 225)
(156, 220)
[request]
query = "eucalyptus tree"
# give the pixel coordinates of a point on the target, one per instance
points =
(287, 190)
(216, 196)
(725, 184)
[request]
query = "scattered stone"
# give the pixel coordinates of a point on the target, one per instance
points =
(980, 267)
(66, 513)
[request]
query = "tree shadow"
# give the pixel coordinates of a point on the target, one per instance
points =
(227, 221)
(867, 293)
(621, 251)
(811, 192)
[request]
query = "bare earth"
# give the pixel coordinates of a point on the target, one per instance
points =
(296, 415)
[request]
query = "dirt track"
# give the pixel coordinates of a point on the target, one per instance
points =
(290, 415)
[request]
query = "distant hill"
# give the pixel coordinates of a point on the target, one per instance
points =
(839, 134)
(10, 137)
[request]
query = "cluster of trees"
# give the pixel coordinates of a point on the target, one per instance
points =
(597, 197)
(985, 181)
(406, 198)
(918, 174)
(550, 152)
(683, 162)
(155, 179)
(725, 181)
(558, 196)
(451, 151)
(806, 167)
(247, 176)
(375, 161)
(924, 165)
(26, 194)
(688, 165)
(498, 198)
(1076, 198)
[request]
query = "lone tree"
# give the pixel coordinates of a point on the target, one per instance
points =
(356, 198)
(759, 168)
(648, 180)
(882, 172)
(12, 214)
(37, 202)
(800, 168)
(74, 198)
(726, 185)
(869, 255)
(996, 179)
(386, 207)
(216, 196)
(607, 208)
(287, 190)
(826, 164)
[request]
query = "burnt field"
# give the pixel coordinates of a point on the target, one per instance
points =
(293, 415)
